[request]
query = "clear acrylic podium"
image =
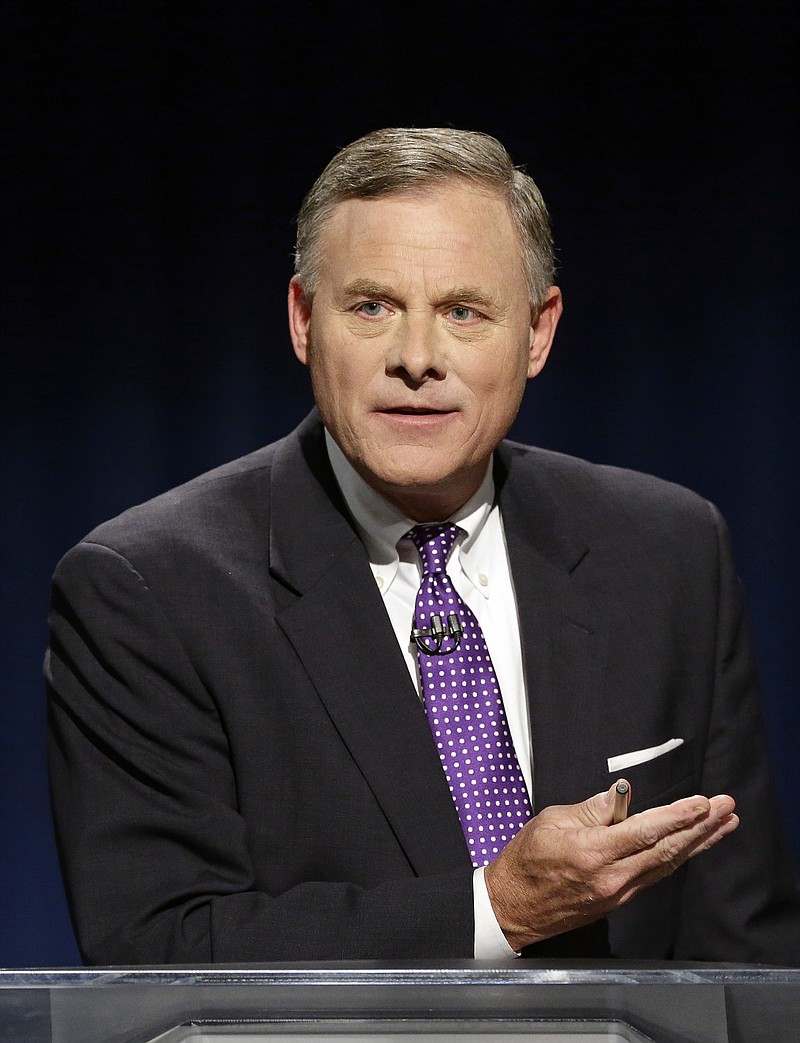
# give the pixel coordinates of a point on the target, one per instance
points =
(410, 1003)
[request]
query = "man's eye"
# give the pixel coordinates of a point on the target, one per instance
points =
(463, 314)
(372, 309)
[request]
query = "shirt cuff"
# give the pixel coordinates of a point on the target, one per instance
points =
(490, 942)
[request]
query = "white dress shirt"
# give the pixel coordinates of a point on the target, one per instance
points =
(479, 570)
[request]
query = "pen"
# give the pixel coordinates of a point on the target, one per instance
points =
(622, 792)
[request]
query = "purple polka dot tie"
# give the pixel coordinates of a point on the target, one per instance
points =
(464, 705)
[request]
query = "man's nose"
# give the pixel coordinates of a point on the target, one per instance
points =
(416, 351)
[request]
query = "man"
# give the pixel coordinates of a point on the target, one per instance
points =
(242, 765)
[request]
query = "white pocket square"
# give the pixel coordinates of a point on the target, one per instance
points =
(627, 760)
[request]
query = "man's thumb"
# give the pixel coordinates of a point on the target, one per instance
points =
(607, 807)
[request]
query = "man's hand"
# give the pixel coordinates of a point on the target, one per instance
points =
(569, 866)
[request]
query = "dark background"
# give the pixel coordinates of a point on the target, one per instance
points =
(158, 153)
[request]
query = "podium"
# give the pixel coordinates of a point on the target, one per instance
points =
(471, 1001)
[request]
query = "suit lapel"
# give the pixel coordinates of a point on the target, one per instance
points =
(335, 619)
(561, 625)
(339, 628)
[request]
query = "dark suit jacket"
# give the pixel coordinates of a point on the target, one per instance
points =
(242, 770)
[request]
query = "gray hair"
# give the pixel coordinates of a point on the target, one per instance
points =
(400, 159)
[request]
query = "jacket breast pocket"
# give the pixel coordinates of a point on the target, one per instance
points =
(661, 780)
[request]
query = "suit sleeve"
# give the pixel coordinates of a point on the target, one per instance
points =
(740, 900)
(153, 848)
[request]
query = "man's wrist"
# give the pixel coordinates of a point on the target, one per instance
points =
(490, 939)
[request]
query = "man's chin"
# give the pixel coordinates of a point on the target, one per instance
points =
(426, 489)
(425, 469)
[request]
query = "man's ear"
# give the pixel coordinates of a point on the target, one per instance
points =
(299, 319)
(543, 330)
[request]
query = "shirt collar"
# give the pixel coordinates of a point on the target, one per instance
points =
(381, 525)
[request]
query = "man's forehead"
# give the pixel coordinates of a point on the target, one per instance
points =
(456, 217)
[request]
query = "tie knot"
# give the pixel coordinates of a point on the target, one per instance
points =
(434, 543)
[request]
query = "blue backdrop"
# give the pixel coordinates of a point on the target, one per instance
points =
(158, 155)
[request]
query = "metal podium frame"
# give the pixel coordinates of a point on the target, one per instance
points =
(341, 1002)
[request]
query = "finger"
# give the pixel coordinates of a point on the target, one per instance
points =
(683, 820)
(667, 861)
(674, 848)
(597, 810)
(677, 848)
(724, 803)
(725, 827)
(722, 821)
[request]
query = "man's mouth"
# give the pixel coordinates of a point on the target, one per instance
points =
(414, 411)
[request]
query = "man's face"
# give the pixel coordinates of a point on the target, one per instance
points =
(420, 338)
